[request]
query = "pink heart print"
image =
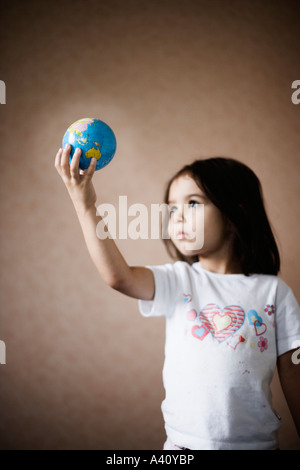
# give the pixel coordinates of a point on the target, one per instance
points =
(222, 323)
(260, 328)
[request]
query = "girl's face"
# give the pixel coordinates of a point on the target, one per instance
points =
(187, 217)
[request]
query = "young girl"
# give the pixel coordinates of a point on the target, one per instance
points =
(229, 318)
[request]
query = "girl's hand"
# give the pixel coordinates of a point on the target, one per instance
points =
(78, 183)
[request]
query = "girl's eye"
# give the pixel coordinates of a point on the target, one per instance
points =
(172, 209)
(193, 203)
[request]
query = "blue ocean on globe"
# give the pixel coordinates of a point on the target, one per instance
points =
(95, 139)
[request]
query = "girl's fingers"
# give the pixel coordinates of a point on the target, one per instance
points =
(71, 170)
(57, 160)
(91, 169)
(64, 162)
(74, 165)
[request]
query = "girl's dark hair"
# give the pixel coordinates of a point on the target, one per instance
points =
(236, 191)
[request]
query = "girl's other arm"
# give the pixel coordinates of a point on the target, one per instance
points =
(289, 375)
(137, 282)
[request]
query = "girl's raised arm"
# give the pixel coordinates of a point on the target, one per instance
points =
(137, 282)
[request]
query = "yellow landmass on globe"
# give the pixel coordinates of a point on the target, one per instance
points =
(93, 153)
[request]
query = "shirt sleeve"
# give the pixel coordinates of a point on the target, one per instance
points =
(164, 301)
(287, 319)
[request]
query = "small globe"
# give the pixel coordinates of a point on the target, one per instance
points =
(95, 139)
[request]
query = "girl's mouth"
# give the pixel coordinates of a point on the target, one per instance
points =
(181, 235)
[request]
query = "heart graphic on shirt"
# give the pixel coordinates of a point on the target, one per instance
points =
(235, 340)
(260, 328)
(199, 332)
(222, 323)
(187, 298)
(191, 315)
(253, 317)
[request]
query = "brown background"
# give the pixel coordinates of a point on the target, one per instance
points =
(176, 80)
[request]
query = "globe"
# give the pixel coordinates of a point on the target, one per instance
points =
(95, 139)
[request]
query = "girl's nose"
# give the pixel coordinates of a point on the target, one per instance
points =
(179, 214)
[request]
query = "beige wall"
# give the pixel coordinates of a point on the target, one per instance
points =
(176, 80)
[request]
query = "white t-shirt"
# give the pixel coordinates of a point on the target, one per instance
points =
(223, 335)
